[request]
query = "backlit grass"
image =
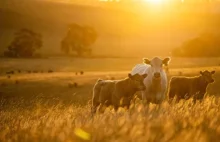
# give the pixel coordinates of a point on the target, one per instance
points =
(58, 122)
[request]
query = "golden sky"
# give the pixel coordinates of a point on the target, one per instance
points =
(198, 5)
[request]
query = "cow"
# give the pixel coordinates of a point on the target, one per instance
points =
(50, 71)
(10, 72)
(118, 93)
(156, 81)
(185, 87)
(81, 72)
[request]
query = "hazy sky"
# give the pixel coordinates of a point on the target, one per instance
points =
(201, 5)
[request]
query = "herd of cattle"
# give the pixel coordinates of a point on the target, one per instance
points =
(151, 79)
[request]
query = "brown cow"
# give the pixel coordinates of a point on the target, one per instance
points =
(116, 92)
(186, 87)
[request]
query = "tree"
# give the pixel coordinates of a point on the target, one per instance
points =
(78, 39)
(25, 44)
(205, 45)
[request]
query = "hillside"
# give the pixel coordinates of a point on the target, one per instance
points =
(120, 32)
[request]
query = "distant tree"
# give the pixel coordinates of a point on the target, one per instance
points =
(25, 44)
(78, 39)
(206, 45)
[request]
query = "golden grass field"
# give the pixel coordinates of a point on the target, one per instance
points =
(43, 106)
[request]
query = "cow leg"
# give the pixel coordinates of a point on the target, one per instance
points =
(116, 108)
(95, 102)
(171, 95)
(159, 98)
(95, 98)
(144, 97)
(127, 106)
(102, 108)
(163, 93)
(194, 100)
(199, 96)
(94, 107)
(115, 101)
(196, 97)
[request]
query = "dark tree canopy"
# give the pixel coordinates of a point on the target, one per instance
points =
(78, 39)
(25, 44)
(206, 45)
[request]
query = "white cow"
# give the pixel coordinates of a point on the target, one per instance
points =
(156, 81)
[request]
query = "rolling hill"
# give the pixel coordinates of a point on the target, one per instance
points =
(121, 33)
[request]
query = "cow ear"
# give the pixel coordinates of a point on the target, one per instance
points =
(166, 61)
(201, 72)
(144, 75)
(146, 61)
(212, 72)
(129, 75)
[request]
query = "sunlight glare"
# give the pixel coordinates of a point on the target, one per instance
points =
(154, 1)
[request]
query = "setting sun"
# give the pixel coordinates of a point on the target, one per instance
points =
(154, 1)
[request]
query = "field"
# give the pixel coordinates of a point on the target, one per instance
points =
(44, 106)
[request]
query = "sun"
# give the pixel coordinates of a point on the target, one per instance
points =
(155, 1)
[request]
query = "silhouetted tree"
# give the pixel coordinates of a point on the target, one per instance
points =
(25, 44)
(78, 39)
(206, 45)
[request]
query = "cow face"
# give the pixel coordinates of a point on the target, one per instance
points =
(157, 65)
(207, 76)
(138, 81)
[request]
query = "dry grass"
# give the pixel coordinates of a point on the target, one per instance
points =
(175, 122)
(59, 64)
(42, 107)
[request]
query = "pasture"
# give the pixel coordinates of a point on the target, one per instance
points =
(43, 106)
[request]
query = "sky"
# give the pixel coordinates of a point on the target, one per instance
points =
(198, 5)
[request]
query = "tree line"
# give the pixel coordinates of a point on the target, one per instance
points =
(78, 40)
(205, 45)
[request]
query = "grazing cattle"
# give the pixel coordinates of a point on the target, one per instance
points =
(180, 73)
(81, 72)
(10, 72)
(76, 84)
(50, 71)
(156, 81)
(116, 92)
(17, 82)
(71, 85)
(186, 87)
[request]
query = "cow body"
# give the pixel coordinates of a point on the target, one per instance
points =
(116, 92)
(156, 81)
(186, 87)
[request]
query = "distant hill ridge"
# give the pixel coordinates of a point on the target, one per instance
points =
(121, 32)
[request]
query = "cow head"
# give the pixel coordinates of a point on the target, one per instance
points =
(156, 65)
(137, 81)
(207, 76)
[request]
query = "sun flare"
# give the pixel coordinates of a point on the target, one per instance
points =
(154, 1)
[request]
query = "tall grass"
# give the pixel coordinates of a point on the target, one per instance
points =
(169, 122)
